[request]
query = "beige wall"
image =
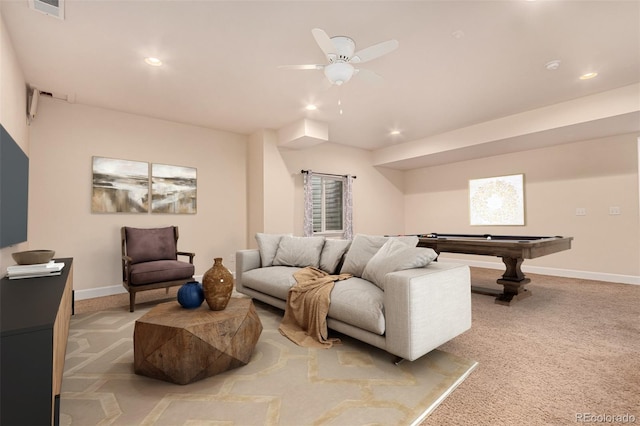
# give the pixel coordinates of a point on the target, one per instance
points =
(278, 187)
(255, 189)
(270, 190)
(378, 201)
(278, 205)
(64, 137)
(595, 175)
(13, 114)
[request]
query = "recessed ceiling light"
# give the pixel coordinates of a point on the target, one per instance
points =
(154, 62)
(394, 132)
(588, 76)
(311, 107)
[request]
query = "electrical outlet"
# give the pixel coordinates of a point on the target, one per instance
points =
(581, 211)
(614, 210)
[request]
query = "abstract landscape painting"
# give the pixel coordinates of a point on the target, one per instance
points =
(120, 186)
(173, 189)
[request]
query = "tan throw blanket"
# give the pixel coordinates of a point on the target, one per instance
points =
(305, 316)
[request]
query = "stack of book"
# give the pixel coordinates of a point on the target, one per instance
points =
(38, 270)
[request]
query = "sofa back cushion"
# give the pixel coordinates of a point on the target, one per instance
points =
(268, 245)
(332, 253)
(144, 245)
(364, 247)
(299, 251)
(394, 256)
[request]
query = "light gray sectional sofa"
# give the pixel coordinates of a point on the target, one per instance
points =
(398, 299)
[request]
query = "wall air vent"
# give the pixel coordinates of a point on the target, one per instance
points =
(53, 8)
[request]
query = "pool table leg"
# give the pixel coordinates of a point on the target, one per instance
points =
(513, 282)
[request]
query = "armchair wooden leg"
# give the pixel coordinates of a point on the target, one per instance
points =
(132, 301)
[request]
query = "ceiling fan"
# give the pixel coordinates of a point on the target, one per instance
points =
(341, 55)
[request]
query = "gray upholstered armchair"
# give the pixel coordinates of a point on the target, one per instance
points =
(150, 260)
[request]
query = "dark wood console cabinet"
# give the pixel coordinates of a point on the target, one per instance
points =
(34, 319)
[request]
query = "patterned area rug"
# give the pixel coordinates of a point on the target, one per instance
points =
(283, 384)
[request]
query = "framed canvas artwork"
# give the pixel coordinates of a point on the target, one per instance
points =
(173, 189)
(119, 186)
(497, 200)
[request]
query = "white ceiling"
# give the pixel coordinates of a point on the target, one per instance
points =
(458, 63)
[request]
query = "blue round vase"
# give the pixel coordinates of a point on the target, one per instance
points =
(190, 295)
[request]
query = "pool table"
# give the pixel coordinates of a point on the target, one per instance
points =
(512, 249)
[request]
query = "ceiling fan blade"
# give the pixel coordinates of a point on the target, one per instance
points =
(375, 51)
(368, 75)
(301, 67)
(324, 42)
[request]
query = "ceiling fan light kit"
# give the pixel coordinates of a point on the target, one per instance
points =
(340, 52)
(339, 73)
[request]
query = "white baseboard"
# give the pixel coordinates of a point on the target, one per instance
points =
(554, 272)
(91, 293)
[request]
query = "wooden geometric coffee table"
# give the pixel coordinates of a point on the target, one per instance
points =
(184, 345)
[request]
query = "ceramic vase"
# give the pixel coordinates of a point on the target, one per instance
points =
(217, 283)
(191, 295)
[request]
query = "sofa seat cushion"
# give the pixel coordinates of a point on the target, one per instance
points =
(160, 270)
(354, 301)
(360, 303)
(273, 280)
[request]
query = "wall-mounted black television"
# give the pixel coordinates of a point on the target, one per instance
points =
(14, 191)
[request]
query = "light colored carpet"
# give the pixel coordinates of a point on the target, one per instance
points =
(283, 384)
(572, 348)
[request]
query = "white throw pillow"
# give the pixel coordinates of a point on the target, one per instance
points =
(410, 240)
(364, 247)
(393, 256)
(299, 251)
(332, 253)
(268, 245)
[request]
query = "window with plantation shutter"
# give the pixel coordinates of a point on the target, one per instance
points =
(327, 204)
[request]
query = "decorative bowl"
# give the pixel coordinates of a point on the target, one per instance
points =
(32, 257)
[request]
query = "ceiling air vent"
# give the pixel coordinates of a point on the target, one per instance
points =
(53, 8)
